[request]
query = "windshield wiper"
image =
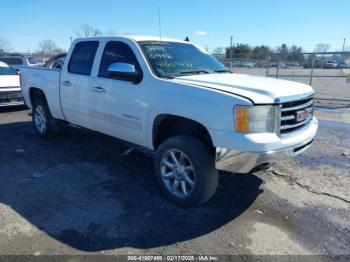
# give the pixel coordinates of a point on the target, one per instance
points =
(192, 72)
(222, 71)
(195, 72)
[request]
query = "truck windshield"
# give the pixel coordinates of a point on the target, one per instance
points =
(4, 70)
(172, 59)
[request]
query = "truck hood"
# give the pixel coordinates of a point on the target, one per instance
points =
(261, 90)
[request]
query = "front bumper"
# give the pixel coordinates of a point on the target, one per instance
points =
(244, 162)
(16, 103)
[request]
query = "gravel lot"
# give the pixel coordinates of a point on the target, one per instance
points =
(86, 193)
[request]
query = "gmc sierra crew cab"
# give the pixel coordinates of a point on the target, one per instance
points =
(173, 97)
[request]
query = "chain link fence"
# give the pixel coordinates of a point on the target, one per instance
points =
(327, 72)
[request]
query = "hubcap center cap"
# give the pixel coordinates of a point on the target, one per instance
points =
(179, 171)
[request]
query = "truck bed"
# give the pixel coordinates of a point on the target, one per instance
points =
(46, 79)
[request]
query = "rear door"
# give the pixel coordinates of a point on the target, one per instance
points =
(75, 84)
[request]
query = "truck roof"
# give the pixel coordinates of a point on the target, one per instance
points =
(136, 38)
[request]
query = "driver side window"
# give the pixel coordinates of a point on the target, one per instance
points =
(117, 52)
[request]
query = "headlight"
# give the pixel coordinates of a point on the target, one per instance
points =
(253, 119)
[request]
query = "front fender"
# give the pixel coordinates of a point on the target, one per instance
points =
(212, 109)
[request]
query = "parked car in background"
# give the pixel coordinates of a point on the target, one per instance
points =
(234, 63)
(261, 64)
(10, 89)
(343, 66)
(330, 65)
(317, 63)
(17, 61)
(278, 64)
(293, 64)
(172, 97)
(247, 64)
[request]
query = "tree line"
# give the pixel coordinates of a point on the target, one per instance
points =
(245, 51)
(284, 52)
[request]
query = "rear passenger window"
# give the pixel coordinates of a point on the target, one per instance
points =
(82, 58)
(117, 52)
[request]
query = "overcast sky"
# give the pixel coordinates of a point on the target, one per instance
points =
(209, 23)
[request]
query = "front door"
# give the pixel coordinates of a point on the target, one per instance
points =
(120, 105)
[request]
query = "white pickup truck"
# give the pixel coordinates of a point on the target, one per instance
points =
(174, 98)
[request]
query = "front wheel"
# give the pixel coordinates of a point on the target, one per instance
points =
(185, 172)
(45, 125)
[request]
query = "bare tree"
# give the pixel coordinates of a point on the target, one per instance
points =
(319, 48)
(219, 50)
(49, 47)
(5, 45)
(88, 31)
(110, 33)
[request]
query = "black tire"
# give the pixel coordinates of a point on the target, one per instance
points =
(203, 161)
(52, 126)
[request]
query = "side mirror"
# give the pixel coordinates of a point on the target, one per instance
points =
(124, 71)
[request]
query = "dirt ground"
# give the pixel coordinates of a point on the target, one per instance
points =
(86, 193)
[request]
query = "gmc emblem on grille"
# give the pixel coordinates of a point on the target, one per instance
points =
(304, 114)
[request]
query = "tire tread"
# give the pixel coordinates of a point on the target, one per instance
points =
(205, 162)
(54, 125)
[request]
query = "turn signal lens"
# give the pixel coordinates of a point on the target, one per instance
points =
(254, 119)
(242, 119)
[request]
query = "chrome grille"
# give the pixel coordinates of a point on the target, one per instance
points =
(289, 112)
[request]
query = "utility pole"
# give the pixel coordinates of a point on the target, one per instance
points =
(344, 44)
(231, 53)
(159, 25)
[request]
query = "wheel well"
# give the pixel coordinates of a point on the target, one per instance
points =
(36, 94)
(166, 126)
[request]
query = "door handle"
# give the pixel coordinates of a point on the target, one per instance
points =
(99, 89)
(66, 83)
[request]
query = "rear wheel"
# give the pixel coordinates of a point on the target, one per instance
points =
(185, 172)
(45, 125)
